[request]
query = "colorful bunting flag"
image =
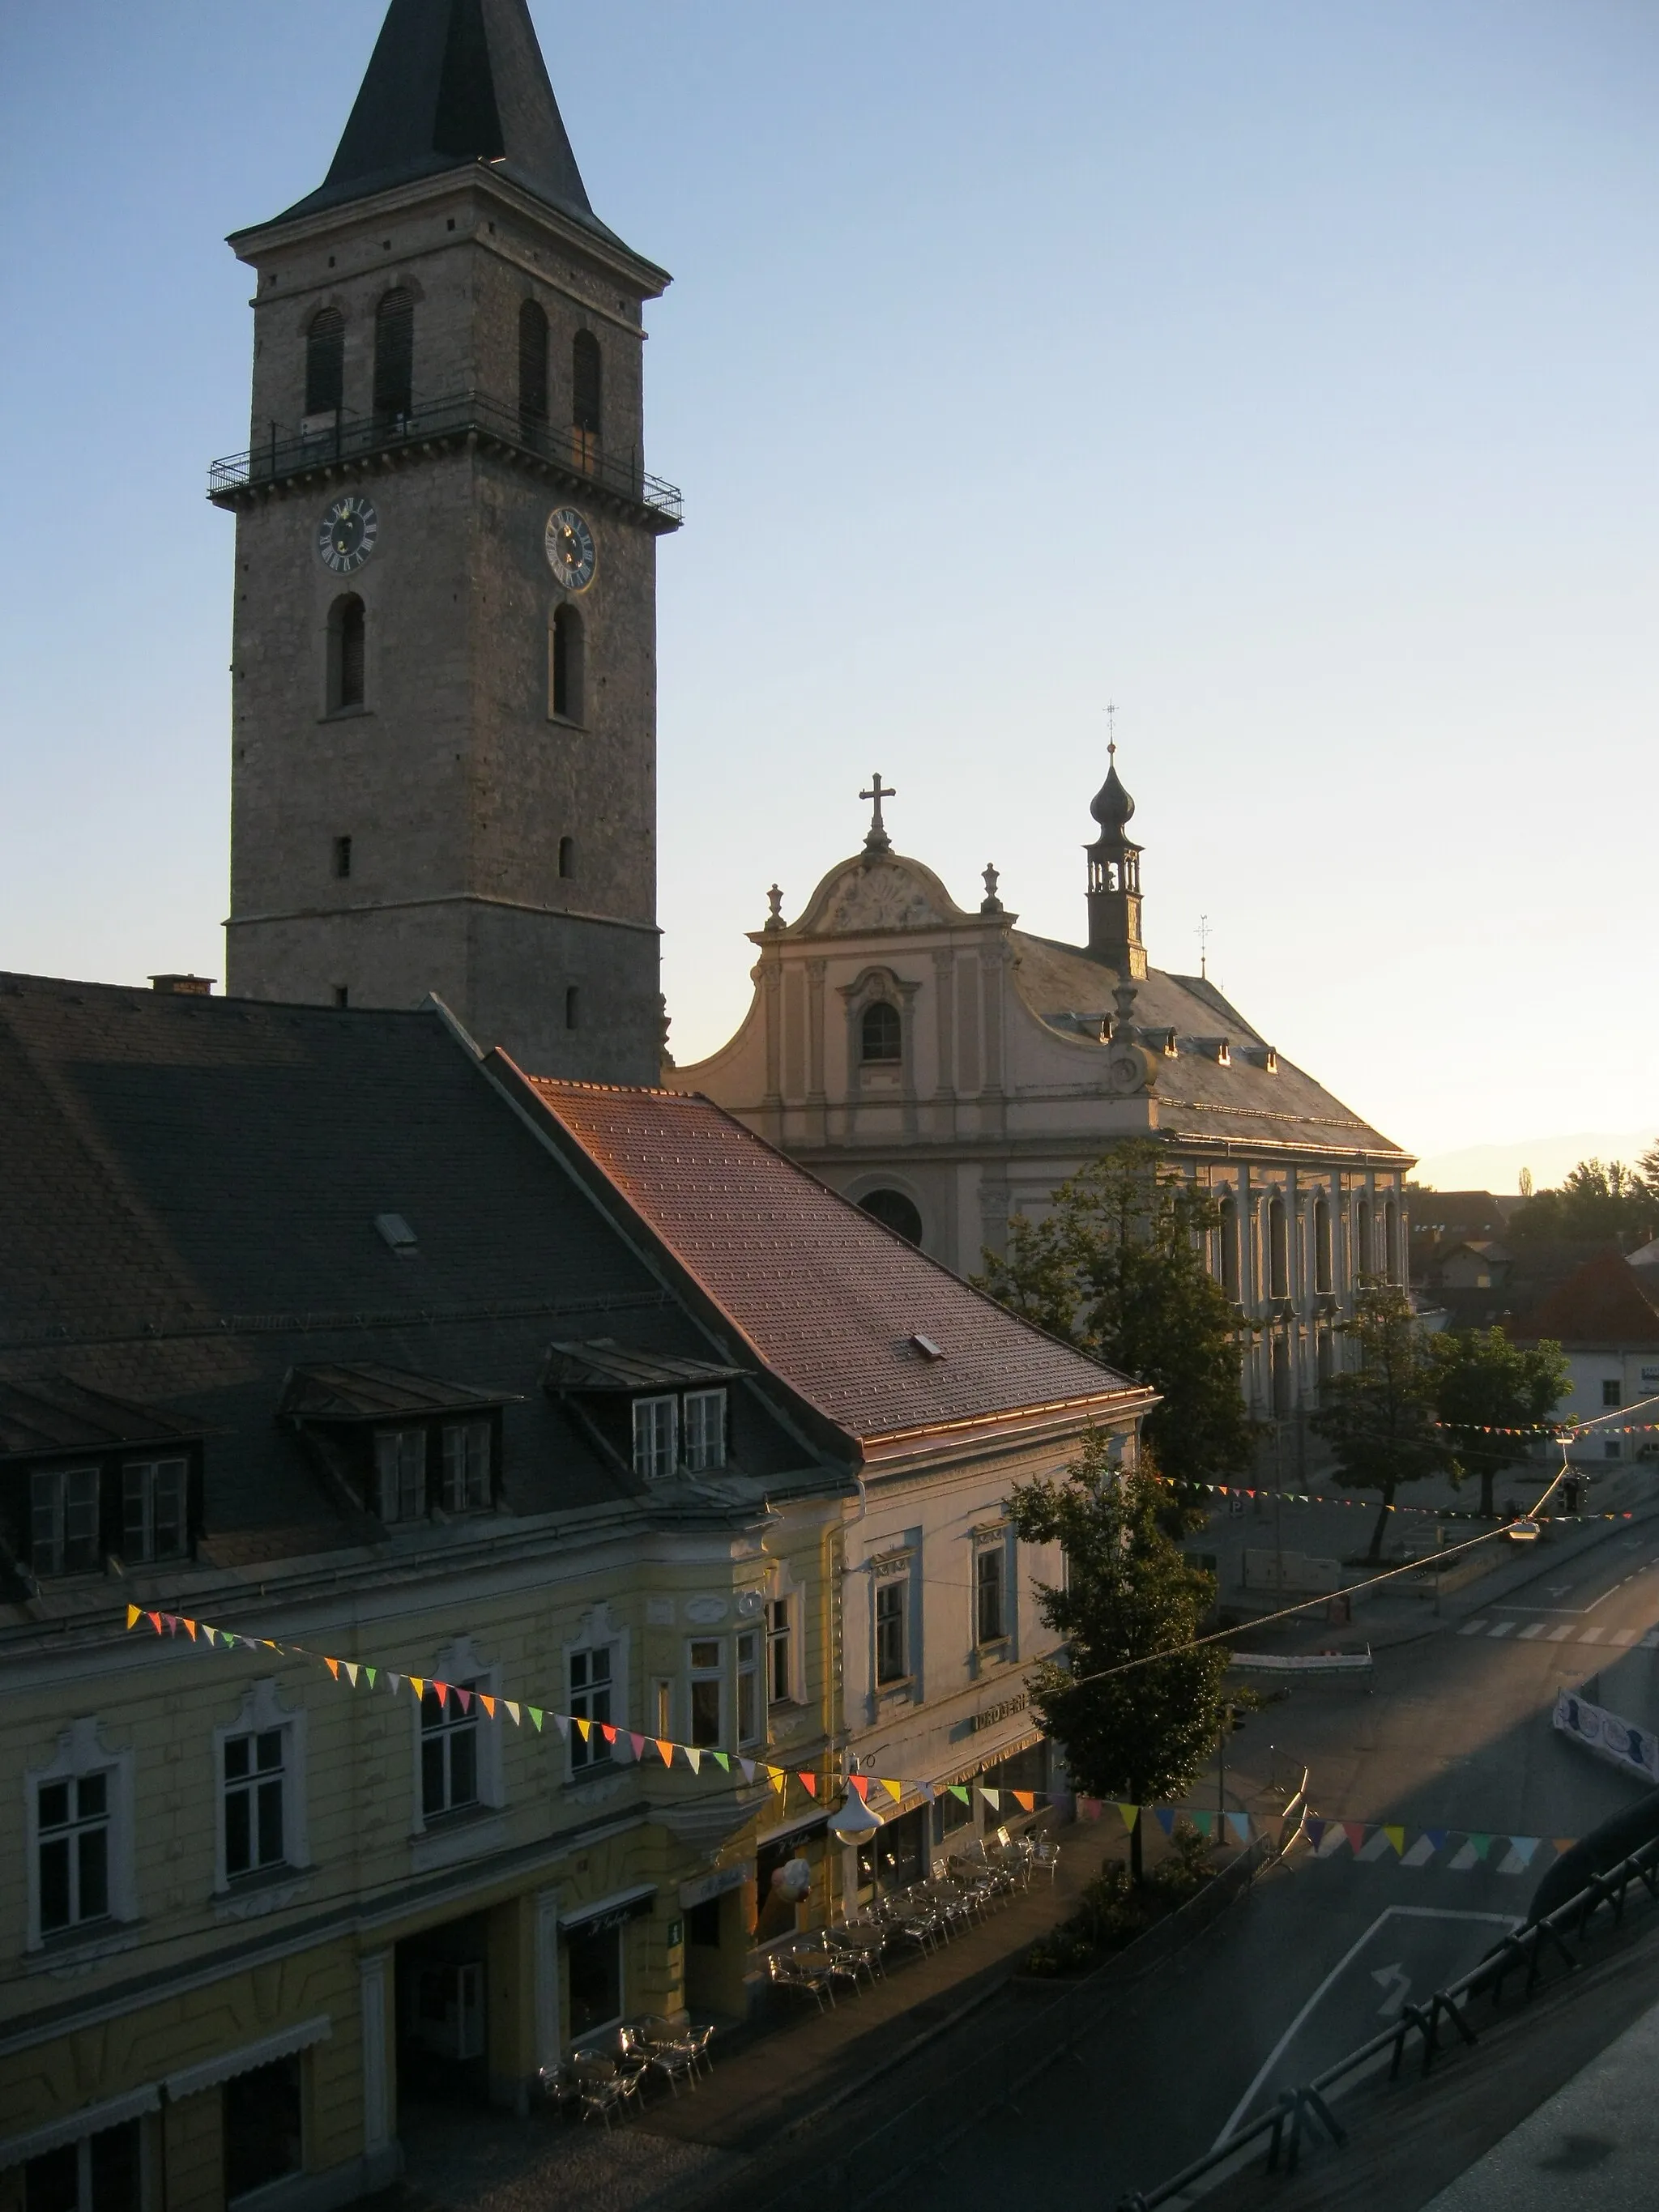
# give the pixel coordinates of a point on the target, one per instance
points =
(1166, 1818)
(132, 1615)
(861, 1783)
(1396, 1836)
(958, 1789)
(693, 1757)
(809, 1783)
(1240, 1825)
(636, 1744)
(333, 1667)
(1026, 1799)
(489, 1704)
(1128, 1814)
(536, 1717)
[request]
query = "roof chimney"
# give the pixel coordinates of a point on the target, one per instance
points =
(184, 987)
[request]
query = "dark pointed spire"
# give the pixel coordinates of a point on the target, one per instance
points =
(1111, 805)
(451, 82)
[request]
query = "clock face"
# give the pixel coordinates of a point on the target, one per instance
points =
(346, 534)
(571, 553)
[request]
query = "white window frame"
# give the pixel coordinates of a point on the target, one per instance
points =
(584, 1701)
(703, 1451)
(144, 1476)
(597, 1627)
(698, 1673)
(994, 1545)
(751, 1671)
(79, 1753)
(461, 1661)
(51, 1484)
(262, 1710)
(656, 1437)
(892, 1575)
(458, 1455)
(398, 1484)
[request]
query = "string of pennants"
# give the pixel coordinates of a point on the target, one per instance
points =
(1367, 1841)
(1365, 1504)
(625, 1742)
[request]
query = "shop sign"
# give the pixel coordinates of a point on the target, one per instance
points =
(708, 1885)
(1004, 1710)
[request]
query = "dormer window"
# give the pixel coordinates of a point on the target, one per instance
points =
(705, 1429)
(85, 1477)
(659, 1413)
(408, 1444)
(656, 1437)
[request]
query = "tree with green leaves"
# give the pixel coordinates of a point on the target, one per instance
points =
(1380, 1416)
(1598, 1199)
(1130, 1594)
(1119, 1268)
(1484, 1385)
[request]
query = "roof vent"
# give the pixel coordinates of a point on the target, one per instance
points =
(397, 1234)
(926, 1347)
(183, 986)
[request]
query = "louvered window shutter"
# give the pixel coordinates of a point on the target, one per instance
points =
(394, 355)
(324, 362)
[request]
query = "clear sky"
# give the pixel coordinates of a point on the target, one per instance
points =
(1285, 373)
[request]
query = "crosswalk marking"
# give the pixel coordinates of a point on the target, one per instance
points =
(1645, 1640)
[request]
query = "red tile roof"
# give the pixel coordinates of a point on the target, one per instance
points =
(829, 1298)
(1602, 1303)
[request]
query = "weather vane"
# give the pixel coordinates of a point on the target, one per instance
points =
(1203, 936)
(1111, 731)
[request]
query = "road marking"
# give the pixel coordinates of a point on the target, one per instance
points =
(1561, 1634)
(1500, 1628)
(1472, 1628)
(1590, 1636)
(1533, 1628)
(1406, 1913)
(1625, 1635)
(1396, 1982)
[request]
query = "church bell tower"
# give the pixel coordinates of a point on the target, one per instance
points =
(1115, 882)
(444, 661)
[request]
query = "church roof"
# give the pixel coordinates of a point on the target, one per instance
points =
(1199, 1094)
(848, 1313)
(453, 82)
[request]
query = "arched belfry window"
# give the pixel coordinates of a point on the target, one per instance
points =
(326, 362)
(347, 645)
(587, 394)
(394, 355)
(566, 856)
(567, 674)
(881, 1034)
(533, 365)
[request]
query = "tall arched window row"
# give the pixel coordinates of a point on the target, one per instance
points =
(326, 362)
(1364, 1260)
(881, 1034)
(893, 1208)
(533, 365)
(394, 355)
(1279, 1249)
(347, 653)
(587, 394)
(1229, 1234)
(1390, 1257)
(567, 676)
(1323, 1279)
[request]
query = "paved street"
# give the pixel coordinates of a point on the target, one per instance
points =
(1455, 1734)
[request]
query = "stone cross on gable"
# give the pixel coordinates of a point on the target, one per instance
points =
(877, 840)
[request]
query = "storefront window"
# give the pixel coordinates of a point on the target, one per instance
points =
(262, 2126)
(594, 1972)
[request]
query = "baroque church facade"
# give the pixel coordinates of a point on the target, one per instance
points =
(946, 1069)
(444, 661)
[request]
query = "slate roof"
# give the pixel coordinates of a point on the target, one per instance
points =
(50, 1414)
(367, 1392)
(187, 1214)
(603, 1364)
(1197, 1096)
(829, 1298)
(451, 83)
(1604, 1302)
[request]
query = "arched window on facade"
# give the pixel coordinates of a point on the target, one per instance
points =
(1390, 1243)
(896, 1211)
(1281, 1374)
(1326, 1355)
(1279, 1249)
(1364, 1260)
(533, 365)
(881, 1034)
(586, 397)
(394, 355)
(346, 639)
(567, 674)
(566, 856)
(1322, 1275)
(1229, 1236)
(326, 362)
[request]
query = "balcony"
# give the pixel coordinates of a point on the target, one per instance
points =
(575, 456)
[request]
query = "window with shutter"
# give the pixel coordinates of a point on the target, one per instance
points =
(326, 362)
(533, 365)
(394, 355)
(587, 376)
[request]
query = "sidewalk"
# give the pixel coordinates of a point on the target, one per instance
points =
(771, 2082)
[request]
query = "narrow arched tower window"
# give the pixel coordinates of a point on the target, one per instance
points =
(566, 856)
(347, 640)
(881, 1036)
(326, 362)
(586, 393)
(572, 1006)
(567, 676)
(1229, 1234)
(1364, 1260)
(1322, 1244)
(394, 355)
(533, 365)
